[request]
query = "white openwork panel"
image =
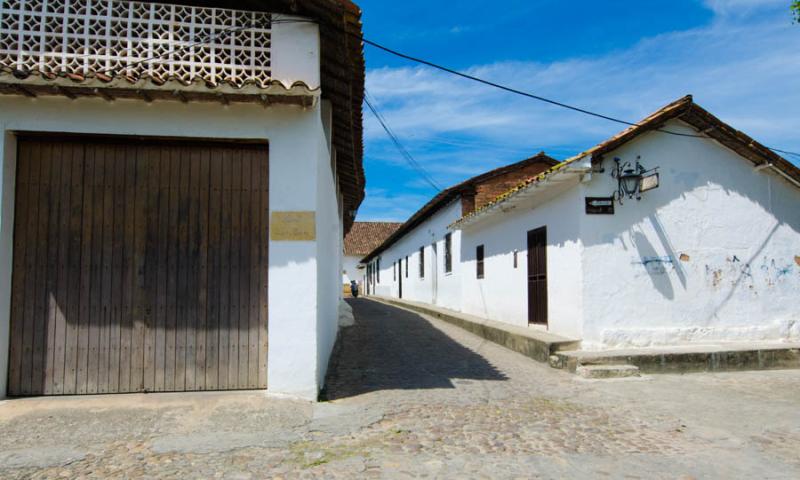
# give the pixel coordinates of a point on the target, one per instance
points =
(135, 40)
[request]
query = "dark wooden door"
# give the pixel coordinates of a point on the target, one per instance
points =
(537, 276)
(139, 266)
(400, 277)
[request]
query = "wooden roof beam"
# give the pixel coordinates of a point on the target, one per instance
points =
(103, 94)
(24, 91)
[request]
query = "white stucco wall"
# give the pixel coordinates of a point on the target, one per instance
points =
(295, 185)
(329, 259)
(713, 255)
(303, 276)
(295, 52)
(438, 287)
(709, 256)
(350, 271)
(502, 294)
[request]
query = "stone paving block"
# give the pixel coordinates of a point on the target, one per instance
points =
(607, 371)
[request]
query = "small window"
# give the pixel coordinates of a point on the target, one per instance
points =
(448, 253)
(479, 258)
(406, 266)
(516, 261)
(394, 271)
(378, 269)
(421, 262)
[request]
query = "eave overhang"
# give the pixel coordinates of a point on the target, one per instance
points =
(542, 187)
(35, 84)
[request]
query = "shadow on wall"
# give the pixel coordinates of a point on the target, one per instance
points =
(393, 349)
(660, 254)
(656, 266)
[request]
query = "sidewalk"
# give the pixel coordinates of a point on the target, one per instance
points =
(566, 353)
(688, 359)
(535, 344)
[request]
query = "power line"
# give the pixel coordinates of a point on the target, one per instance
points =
(534, 96)
(785, 152)
(451, 71)
(405, 153)
(459, 143)
(516, 91)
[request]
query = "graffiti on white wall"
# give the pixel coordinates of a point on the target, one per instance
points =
(657, 265)
(765, 272)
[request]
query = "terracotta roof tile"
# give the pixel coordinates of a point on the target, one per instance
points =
(365, 237)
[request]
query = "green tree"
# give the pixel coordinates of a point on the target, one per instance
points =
(796, 10)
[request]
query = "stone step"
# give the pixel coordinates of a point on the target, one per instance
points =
(688, 358)
(597, 372)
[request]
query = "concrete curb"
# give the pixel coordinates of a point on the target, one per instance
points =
(536, 345)
(767, 358)
(562, 353)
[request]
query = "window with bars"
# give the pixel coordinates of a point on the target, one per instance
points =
(406, 266)
(448, 253)
(394, 271)
(479, 252)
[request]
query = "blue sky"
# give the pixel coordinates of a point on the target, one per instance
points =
(625, 58)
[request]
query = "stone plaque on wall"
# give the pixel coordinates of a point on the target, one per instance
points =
(293, 227)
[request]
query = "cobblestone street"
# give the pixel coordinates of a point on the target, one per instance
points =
(412, 397)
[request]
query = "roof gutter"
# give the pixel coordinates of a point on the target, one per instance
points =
(771, 166)
(578, 169)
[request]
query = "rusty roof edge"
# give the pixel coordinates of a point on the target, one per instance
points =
(569, 166)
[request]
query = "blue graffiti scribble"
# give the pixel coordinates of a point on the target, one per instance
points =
(658, 260)
(657, 265)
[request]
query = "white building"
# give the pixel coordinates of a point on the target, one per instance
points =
(362, 238)
(421, 261)
(710, 255)
(176, 184)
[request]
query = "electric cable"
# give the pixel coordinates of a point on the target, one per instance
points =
(403, 151)
(534, 96)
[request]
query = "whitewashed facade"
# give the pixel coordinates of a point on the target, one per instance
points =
(352, 270)
(425, 260)
(286, 107)
(421, 253)
(712, 255)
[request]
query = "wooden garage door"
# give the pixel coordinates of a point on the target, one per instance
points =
(139, 266)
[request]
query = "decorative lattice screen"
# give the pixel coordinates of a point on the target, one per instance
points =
(163, 42)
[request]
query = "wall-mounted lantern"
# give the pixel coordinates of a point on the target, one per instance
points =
(633, 180)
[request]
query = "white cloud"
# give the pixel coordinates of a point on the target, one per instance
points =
(726, 8)
(743, 68)
(382, 205)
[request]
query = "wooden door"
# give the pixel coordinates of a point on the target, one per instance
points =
(537, 276)
(400, 277)
(139, 266)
